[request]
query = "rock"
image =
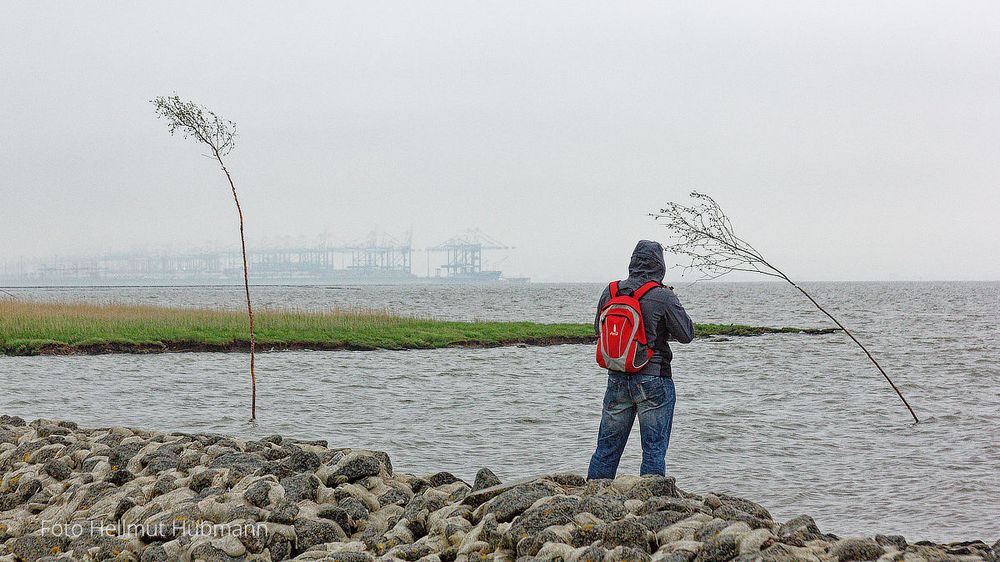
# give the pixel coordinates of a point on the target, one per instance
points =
(239, 464)
(719, 549)
(604, 508)
(557, 510)
(628, 533)
(514, 501)
(285, 513)
(802, 527)
(779, 552)
(339, 516)
(33, 547)
(895, 541)
(654, 486)
(57, 469)
(745, 506)
(119, 477)
(568, 479)
(440, 479)
(311, 532)
(592, 554)
(485, 479)
(394, 496)
(300, 487)
(755, 541)
(354, 467)
(258, 493)
(355, 508)
(856, 549)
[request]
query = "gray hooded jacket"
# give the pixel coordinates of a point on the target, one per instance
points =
(662, 313)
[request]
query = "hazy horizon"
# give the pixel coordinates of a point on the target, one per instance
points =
(847, 141)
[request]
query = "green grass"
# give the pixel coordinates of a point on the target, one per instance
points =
(29, 328)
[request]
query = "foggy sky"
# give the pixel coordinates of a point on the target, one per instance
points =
(847, 140)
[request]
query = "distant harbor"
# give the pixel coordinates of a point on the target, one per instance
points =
(385, 260)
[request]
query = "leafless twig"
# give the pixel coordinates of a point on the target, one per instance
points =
(704, 234)
(219, 135)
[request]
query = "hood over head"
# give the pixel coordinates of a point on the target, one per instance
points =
(647, 262)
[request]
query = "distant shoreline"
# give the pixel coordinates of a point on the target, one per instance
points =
(44, 328)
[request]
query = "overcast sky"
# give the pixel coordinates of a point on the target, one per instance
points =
(846, 140)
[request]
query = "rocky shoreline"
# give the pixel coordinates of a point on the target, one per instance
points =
(118, 493)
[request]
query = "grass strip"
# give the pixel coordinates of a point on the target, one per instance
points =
(33, 328)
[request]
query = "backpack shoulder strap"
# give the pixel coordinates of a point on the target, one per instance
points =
(613, 287)
(647, 287)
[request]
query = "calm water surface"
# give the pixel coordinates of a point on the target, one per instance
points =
(803, 424)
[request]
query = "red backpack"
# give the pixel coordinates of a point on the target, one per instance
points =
(621, 343)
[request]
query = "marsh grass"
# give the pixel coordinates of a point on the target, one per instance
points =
(28, 328)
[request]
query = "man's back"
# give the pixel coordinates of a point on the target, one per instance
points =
(662, 313)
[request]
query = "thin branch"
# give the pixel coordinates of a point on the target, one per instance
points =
(703, 233)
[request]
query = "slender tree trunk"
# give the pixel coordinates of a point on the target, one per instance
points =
(246, 286)
(861, 345)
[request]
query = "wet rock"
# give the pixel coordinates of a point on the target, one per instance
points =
(719, 549)
(354, 468)
(745, 506)
(338, 515)
(895, 541)
(355, 508)
(300, 487)
(394, 496)
(285, 513)
(258, 493)
(33, 547)
(57, 469)
(627, 532)
(239, 464)
(856, 549)
(119, 477)
(311, 532)
(602, 507)
(440, 479)
(558, 510)
(514, 501)
(802, 527)
(485, 479)
(654, 486)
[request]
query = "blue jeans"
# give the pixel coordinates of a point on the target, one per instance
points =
(649, 397)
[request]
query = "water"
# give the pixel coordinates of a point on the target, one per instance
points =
(803, 424)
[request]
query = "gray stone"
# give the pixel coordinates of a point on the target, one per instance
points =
(745, 506)
(441, 479)
(603, 507)
(485, 479)
(719, 549)
(355, 508)
(163, 484)
(661, 519)
(895, 541)
(57, 469)
(355, 469)
(513, 502)
(284, 513)
(311, 532)
(593, 554)
(154, 553)
(654, 486)
(802, 527)
(627, 532)
(257, 494)
(393, 497)
(32, 547)
(239, 464)
(709, 530)
(338, 515)
(856, 549)
(555, 511)
(348, 556)
(300, 487)
(119, 477)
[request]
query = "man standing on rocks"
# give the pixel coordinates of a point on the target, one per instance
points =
(648, 394)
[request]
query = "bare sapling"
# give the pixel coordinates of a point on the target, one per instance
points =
(197, 122)
(704, 234)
